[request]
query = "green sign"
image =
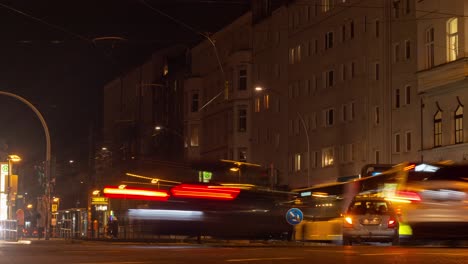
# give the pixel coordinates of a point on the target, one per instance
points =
(205, 176)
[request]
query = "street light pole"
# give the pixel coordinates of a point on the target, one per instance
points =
(47, 161)
(308, 147)
(261, 89)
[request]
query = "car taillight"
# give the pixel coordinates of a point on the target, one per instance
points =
(348, 221)
(124, 192)
(205, 192)
(392, 222)
(410, 196)
(405, 197)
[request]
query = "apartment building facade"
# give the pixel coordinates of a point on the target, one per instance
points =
(142, 99)
(217, 95)
(349, 88)
(442, 70)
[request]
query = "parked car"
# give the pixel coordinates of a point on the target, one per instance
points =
(370, 219)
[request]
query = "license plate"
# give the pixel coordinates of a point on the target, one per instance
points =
(371, 221)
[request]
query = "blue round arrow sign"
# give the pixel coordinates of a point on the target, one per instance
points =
(294, 216)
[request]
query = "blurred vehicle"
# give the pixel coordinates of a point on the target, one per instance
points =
(324, 205)
(235, 211)
(370, 219)
(433, 200)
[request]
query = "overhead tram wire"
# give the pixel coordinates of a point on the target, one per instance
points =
(47, 23)
(201, 34)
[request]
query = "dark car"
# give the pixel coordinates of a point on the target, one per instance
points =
(370, 219)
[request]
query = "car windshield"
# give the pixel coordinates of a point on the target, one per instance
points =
(363, 207)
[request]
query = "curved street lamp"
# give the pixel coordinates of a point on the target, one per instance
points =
(259, 89)
(47, 164)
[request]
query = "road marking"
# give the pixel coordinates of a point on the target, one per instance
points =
(89, 251)
(114, 262)
(347, 251)
(263, 259)
(442, 253)
(380, 254)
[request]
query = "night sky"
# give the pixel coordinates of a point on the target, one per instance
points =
(48, 56)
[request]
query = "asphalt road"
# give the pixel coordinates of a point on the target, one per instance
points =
(49, 252)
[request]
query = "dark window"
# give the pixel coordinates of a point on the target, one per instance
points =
(329, 40)
(459, 125)
(397, 98)
(242, 80)
(438, 129)
(242, 119)
(194, 107)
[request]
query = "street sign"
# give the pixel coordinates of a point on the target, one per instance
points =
(294, 216)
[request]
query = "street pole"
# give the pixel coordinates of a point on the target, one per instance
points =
(308, 147)
(9, 211)
(47, 161)
(261, 89)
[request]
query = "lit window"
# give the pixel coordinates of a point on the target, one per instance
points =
(194, 135)
(459, 125)
(452, 39)
(242, 154)
(397, 143)
(242, 115)
(328, 157)
(257, 105)
(297, 162)
(298, 54)
(430, 48)
(438, 129)
(326, 5)
(266, 101)
(291, 56)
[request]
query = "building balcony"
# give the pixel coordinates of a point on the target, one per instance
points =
(443, 78)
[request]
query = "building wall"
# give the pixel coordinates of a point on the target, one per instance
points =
(442, 85)
(270, 111)
(142, 98)
(405, 102)
(220, 136)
